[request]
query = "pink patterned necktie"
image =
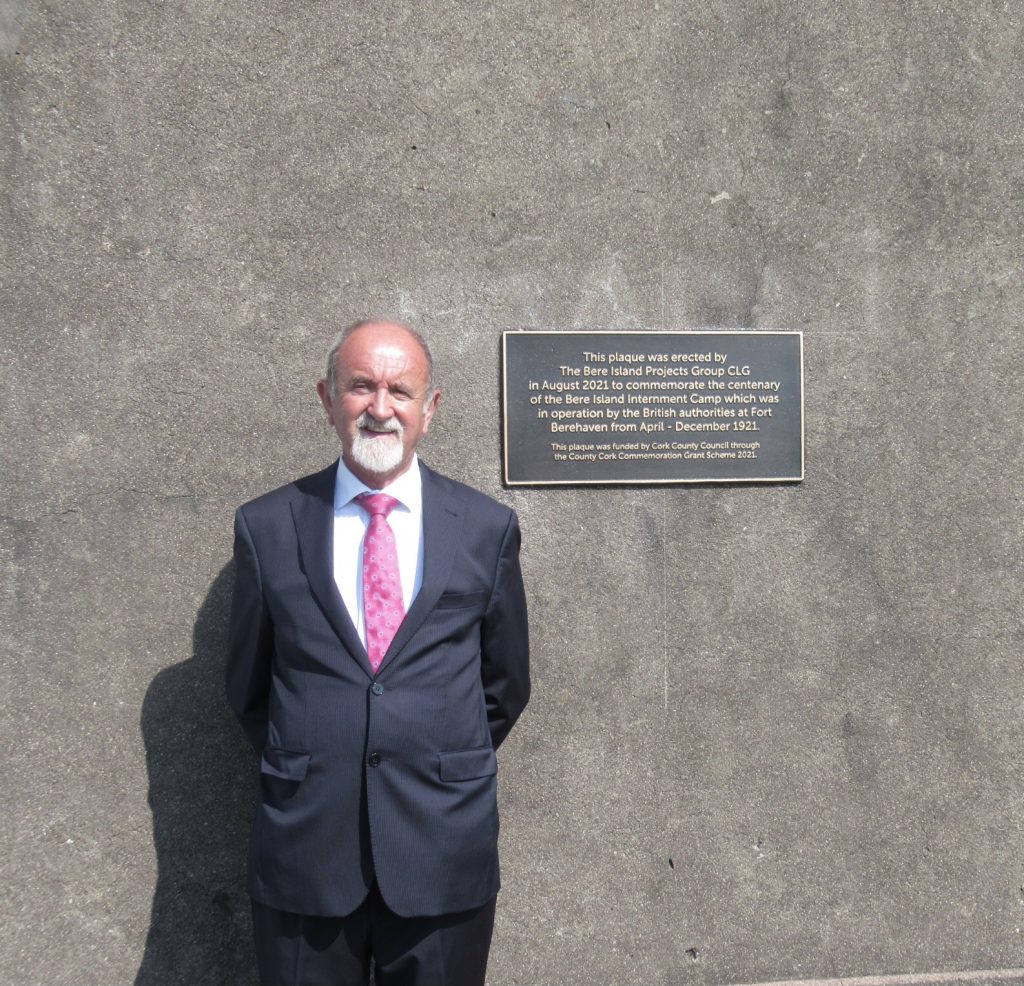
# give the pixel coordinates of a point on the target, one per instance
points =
(382, 587)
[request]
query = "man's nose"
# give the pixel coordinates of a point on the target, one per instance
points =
(380, 406)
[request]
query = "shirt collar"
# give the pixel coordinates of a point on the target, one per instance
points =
(407, 489)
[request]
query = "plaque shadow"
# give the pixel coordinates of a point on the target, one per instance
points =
(201, 791)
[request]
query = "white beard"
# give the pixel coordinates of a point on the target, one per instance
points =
(378, 455)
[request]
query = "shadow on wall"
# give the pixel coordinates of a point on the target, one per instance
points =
(201, 791)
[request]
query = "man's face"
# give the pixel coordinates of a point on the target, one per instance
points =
(382, 404)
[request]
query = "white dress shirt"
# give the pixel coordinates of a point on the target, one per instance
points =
(350, 524)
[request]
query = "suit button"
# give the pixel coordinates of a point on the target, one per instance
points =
(377, 689)
(374, 759)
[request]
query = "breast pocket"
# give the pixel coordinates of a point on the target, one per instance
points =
(461, 600)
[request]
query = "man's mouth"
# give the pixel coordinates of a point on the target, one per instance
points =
(372, 429)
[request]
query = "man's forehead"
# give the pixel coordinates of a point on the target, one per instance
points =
(389, 352)
(386, 361)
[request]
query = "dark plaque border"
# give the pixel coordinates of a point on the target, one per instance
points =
(533, 360)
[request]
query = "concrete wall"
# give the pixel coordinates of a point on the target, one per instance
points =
(777, 730)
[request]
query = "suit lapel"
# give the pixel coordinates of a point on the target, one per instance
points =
(440, 540)
(313, 514)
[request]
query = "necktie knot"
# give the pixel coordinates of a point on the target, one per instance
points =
(377, 504)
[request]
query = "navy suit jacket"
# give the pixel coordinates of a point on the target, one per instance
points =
(389, 776)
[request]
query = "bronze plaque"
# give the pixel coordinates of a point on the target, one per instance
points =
(653, 407)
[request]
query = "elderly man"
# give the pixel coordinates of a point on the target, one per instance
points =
(378, 656)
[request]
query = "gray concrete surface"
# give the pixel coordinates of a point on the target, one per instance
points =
(776, 731)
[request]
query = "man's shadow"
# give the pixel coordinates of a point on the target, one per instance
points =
(202, 781)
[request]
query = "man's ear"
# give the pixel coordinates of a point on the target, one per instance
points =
(430, 409)
(325, 399)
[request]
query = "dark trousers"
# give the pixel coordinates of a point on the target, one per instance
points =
(302, 950)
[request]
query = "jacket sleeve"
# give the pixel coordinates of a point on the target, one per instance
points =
(250, 640)
(505, 644)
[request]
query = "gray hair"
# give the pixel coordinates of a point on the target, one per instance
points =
(331, 376)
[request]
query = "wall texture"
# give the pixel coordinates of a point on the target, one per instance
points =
(776, 730)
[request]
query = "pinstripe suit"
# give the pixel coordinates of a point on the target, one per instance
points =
(388, 777)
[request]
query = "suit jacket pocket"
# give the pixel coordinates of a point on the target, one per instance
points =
(467, 765)
(289, 765)
(458, 600)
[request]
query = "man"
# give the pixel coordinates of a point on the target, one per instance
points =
(378, 656)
